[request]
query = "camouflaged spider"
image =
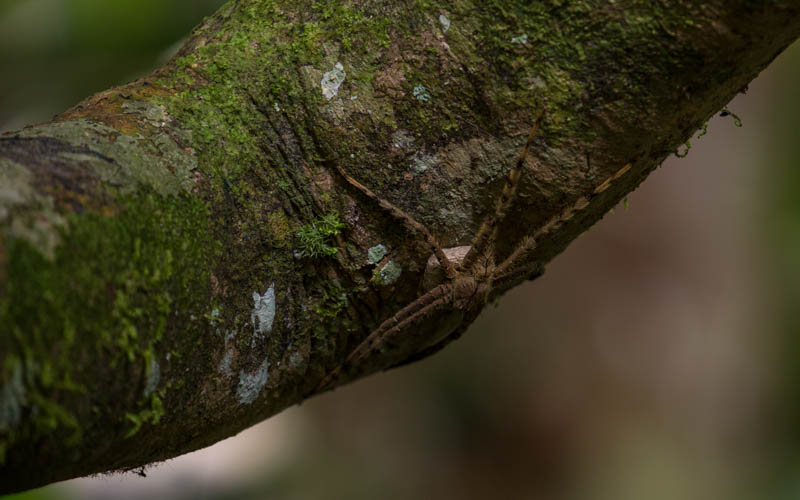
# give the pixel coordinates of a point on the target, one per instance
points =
(466, 286)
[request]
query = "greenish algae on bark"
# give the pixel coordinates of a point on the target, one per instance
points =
(155, 295)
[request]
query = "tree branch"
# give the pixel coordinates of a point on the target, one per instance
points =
(180, 259)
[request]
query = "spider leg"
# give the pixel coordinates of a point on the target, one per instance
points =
(501, 283)
(378, 338)
(438, 346)
(519, 253)
(488, 231)
(406, 219)
(510, 269)
(529, 271)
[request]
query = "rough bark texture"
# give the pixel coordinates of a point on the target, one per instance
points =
(180, 260)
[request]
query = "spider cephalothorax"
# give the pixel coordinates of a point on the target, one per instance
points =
(465, 291)
(458, 282)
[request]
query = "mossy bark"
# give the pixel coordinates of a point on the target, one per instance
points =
(179, 259)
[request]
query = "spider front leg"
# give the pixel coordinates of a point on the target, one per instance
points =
(487, 234)
(511, 264)
(404, 218)
(380, 338)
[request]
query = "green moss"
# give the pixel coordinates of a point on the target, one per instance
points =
(50, 416)
(313, 239)
(151, 415)
(333, 302)
(279, 227)
(109, 294)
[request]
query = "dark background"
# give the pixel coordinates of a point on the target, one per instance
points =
(658, 358)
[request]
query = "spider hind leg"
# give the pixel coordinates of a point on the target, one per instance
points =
(380, 339)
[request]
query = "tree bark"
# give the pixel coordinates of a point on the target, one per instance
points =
(180, 259)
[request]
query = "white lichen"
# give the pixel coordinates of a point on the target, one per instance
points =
(152, 112)
(332, 80)
(224, 366)
(263, 313)
(250, 384)
(421, 162)
(225, 363)
(12, 399)
(520, 40)
(296, 359)
(403, 139)
(421, 93)
(445, 23)
(153, 377)
(390, 272)
(376, 253)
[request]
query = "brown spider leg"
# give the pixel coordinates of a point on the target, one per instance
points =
(528, 244)
(528, 271)
(406, 219)
(509, 268)
(506, 269)
(433, 349)
(398, 322)
(501, 283)
(487, 234)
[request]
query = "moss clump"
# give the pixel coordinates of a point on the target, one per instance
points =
(114, 288)
(279, 227)
(313, 238)
(151, 414)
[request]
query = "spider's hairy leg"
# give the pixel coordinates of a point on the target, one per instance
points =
(527, 245)
(528, 271)
(499, 282)
(514, 265)
(487, 234)
(378, 338)
(404, 218)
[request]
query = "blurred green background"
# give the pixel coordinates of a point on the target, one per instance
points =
(658, 358)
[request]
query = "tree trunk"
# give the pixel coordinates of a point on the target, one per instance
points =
(181, 257)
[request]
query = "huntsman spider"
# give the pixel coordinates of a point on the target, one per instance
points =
(466, 284)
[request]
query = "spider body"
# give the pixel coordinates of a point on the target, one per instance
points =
(457, 284)
(466, 290)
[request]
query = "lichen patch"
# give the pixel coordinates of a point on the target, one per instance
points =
(332, 80)
(250, 384)
(521, 39)
(376, 253)
(389, 273)
(445, 23)
(421, 162)
(263, 314)
(153, 377)
(421, 93)
(224, 366)
(157, 161)
(12, 399)
(225, 363)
